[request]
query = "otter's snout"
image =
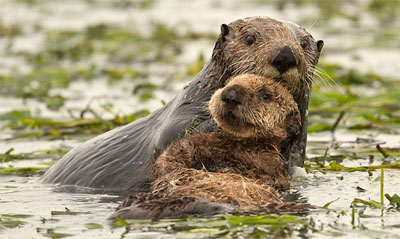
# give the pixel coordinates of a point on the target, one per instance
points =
(231, 96)
(284, 60)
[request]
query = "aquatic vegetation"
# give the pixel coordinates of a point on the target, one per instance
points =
(394, 200)
(386, 11)
(60, 62)
(12, 220)
(93, 225)
(37, 83)
(329, 203)
(9, 31)
(50, 232)
(67, 212)
(55, 102)
(22, 171)
(191, 69)
(379, 110)
(119, 44)
(32, 126)
(40, 154)
(144, 90)
(116, 74)
(16, 215)
(230, 226)
(360, 205)
(334, 166)
(9, 223)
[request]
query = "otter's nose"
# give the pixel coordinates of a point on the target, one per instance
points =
(284, 60)
(230, 96)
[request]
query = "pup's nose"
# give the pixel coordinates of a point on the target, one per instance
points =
(230, 96)
(284, 60)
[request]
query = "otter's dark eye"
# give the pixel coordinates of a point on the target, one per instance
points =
(303, 44)
(266, 97)
(250, 40)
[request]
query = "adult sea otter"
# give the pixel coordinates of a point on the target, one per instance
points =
(122, 159)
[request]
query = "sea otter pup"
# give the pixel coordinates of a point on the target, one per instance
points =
(236, 167)
(121, 159)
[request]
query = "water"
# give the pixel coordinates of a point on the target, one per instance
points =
(27, 196)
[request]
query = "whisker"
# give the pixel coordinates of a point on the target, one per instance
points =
(327, 79)
(312, 24)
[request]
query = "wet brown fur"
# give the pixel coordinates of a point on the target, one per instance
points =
(233, 55)
(239, 164)
(270, 37)
(256, 117)
(122, 160)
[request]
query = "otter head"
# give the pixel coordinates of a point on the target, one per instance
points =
(251, 106)
(282, 51)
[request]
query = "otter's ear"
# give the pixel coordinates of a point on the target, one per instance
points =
(320, 44)
(226, 32)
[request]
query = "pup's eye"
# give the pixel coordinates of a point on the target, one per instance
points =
(250, 40)
(266, 97)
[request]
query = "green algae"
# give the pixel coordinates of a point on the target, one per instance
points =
(55, 102)
(28, 125)
(58, 64)
(22, 171)
(16, 215)
(67, 212)
(191, 69)
(379, 111)
(53, 154)
(9, 223)
(37, 83)
(119, 44)
(9, 31)
(119, 73)
(384, 10)
(394, 200)
(334, 166)
(230, 226)
(93, 225)
(329, 203)
(144, 90)
(51, 233)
